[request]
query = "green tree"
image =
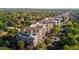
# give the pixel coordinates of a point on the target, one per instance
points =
(11, 30)
(56, 29)
(6, 43)
(1, 25)
(21, 44)
(4, 48)
(67, 47)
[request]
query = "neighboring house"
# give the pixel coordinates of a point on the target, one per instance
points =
(24, 37)
(56, 21)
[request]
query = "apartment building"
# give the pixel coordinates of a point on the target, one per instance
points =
(40, 29)
(37, 32)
